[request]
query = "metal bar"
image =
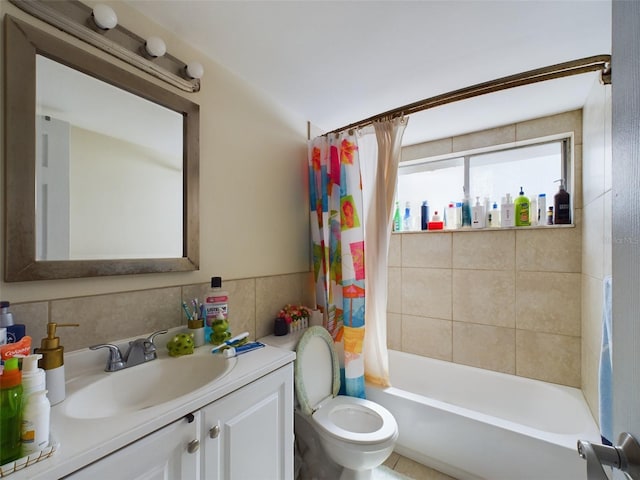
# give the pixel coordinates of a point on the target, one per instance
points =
(574, 67)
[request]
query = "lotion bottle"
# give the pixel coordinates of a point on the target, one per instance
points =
(52, 362)
(561, 206)
(36, 415)
(33, 378)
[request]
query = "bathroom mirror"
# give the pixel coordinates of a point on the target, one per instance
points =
(102, 166)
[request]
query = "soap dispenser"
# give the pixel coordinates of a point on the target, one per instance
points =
(52, 362)
(561, 206)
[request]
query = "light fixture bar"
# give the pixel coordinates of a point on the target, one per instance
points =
(74, 18)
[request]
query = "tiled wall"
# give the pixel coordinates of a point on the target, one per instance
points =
(597, 247)
(253, 305)
(507, 300)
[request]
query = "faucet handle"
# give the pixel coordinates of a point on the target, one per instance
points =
(115, 361)
(152, 337)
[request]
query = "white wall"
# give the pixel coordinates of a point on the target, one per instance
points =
(253, 200)
(596, 238)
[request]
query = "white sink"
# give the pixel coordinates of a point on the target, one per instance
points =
(145, 386)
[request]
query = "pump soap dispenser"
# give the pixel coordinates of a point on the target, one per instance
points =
(52, 362)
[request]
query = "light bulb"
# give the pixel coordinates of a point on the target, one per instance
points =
(104, 16)
(155, 46)
(195, 70)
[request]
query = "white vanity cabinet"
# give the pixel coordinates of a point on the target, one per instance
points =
(247, 434)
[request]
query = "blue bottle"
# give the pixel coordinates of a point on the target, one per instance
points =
(424, 216)
(15, 332)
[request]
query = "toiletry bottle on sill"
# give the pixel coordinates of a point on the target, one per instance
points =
(477, 215)
(561, 206)
(542, 209)
(424, 216)
(15, 331)
(436, 223)
(521, 207)
(507, 212)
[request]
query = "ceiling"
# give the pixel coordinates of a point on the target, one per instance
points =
(338, 62)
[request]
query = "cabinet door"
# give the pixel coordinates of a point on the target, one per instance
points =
(249, 433)
(162, 455)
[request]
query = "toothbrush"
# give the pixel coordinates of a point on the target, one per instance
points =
(186, 311)
(231, 341)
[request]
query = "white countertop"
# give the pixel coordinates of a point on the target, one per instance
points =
(83, 441)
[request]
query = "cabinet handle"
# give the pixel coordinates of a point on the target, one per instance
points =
(194, 446)
(189, 417)
(214, 431)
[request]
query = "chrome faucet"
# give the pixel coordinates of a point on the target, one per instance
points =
(140, 350)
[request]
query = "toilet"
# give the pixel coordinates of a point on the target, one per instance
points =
(357, 434)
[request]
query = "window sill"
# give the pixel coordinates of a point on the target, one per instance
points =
(490, 229)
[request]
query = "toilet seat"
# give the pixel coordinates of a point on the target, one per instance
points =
(317, 382)
(356, 420)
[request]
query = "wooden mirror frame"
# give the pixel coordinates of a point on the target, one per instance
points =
(22, 42)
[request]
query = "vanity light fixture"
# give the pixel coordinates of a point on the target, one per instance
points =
(155, 47)
(150, 55)
(194, 70)
(104, 16)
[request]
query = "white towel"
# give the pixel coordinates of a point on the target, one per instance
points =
(606, 364)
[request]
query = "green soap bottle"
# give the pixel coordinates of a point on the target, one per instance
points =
(10, 411)
(522, 210)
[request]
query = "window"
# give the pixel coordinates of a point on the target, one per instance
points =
(487, 175)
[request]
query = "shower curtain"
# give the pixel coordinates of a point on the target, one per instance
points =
(351, 221)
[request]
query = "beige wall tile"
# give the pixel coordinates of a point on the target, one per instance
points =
(484, 296)
(426, 292)
(395, 250)
(607, 151)
(485, 250)
(592, 300)
(34, 316)
(594, 145)
(563, 122)
(394, 290)
(485, 138)
(548, 357)
(394, 331)
(427, 149)
(242, 311)
(107, 318)
(593, 238)
(430, 250)
(590, 381)
(484, 346)
(273, 293)
(549, 302)
(576, 189)
(430, 337)
(556, 249)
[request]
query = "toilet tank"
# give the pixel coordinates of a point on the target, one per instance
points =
(286, 342)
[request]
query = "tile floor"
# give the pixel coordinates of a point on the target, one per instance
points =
(403, 468)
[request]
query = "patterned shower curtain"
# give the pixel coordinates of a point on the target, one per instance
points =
(337, 232)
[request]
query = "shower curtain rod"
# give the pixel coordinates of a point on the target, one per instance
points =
(574, 67)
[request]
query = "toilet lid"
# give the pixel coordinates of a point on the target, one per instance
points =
(356, 420)
(317, 372)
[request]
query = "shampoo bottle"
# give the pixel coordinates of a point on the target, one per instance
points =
(522, 210)
(52, 362)
(542, 209)
(424, 216)
(478, 215)
(407, 220)
(533, 211)
(466, 211)
(561, 206)
(494, 216)
(10, 411)
(15, 332)
(507, 212)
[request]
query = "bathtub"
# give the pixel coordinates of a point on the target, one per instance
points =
(475, 424)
